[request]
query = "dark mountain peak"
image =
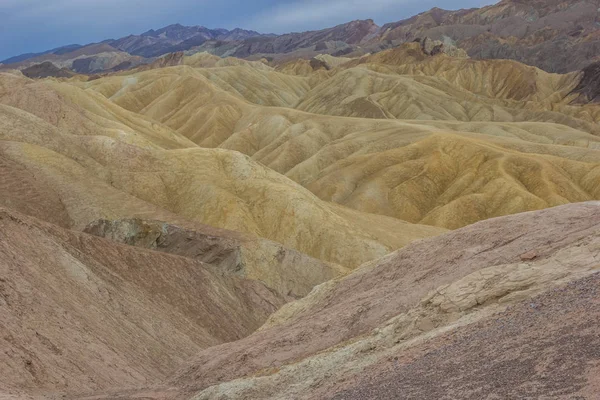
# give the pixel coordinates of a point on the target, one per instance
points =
(150, 32)
(45, 70)
(177, 37)
(243, 31)
(359, 22)
(356, 31)
(368, 21)
(589, 86)
(173, 27)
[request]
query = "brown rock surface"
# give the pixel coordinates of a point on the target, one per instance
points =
(45, 70)
(589, 86)
(288, 272)
(79, 313)
(556, 36)
(545, 347)
(449, 317)
(350, 307)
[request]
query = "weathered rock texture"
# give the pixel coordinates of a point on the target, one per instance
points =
(79, 313)
(589, 85)
(556, 36)
(45, 70)
(454, 316)
(288, 272)
(429, 285)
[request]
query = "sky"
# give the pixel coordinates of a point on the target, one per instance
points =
(29, 26)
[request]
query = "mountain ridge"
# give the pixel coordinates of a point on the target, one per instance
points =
(557, 36)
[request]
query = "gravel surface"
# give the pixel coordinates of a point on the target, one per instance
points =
(545, 348)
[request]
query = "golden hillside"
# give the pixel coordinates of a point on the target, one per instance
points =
(100, 161)
(436, 140)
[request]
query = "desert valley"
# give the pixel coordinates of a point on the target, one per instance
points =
(406, 211)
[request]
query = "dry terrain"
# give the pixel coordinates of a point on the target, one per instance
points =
(412, 223)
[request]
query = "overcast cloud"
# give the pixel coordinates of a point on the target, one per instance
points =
(38, 25)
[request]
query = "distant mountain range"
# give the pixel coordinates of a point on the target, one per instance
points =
(554, 35)
(176, 38)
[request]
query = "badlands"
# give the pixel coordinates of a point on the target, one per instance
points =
(412, 224)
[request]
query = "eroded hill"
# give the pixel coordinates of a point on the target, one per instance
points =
(432, 139)
(80, 313)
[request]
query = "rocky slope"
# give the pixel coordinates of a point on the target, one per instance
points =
(57, 51)
(287, 272)
(558, 325)
(337, 40)
(399, 324)
(85, 59)
(81, 313)
(556, 36)
(46, 70)
(589, 85)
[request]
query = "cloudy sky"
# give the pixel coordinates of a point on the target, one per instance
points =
(38, 25)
